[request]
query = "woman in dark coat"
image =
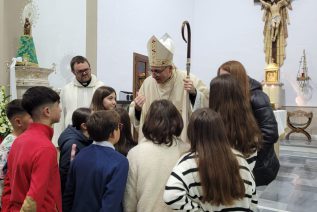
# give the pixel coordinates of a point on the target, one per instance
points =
(267, 164)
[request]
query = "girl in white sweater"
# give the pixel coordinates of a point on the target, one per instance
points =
(152, 160)
(211, 176)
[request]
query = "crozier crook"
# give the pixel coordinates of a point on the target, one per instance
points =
(188, 41)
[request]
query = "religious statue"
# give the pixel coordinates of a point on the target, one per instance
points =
(27, 27)
(26, 48)
(275, 29)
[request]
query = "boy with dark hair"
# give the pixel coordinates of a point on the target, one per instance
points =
(19, 120)
(32, 182)
(74, 134)
(98, 171)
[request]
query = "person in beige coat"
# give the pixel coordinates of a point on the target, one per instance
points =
(167, 82)
(152, 160)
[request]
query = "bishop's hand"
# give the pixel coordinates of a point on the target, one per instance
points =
(139, 102)
(189, 86)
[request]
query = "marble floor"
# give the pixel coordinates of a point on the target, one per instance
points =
(295, 188)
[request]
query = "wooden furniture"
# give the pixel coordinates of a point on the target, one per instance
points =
(140, 71)
(298, 121)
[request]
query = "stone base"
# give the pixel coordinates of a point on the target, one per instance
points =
(27, 77)
(276, 93)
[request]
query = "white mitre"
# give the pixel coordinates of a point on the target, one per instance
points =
(160, 51)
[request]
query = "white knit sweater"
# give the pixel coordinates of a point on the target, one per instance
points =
(150, 165)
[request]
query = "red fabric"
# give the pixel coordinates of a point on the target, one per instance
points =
(33, 171)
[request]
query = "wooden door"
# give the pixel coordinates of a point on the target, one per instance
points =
(140, 71)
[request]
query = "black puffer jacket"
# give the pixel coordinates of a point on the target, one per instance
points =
(69, 137)
(267, 164)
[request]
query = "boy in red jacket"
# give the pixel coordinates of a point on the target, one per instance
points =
(32, 182)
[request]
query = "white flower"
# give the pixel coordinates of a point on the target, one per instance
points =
(2, 129)
(5, 126)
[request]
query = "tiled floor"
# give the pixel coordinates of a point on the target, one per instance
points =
(295, 188)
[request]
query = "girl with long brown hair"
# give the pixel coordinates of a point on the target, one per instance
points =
(211, 176)
(226, 97)
(104, 98)
(267, 164)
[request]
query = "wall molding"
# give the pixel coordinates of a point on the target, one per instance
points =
(91, 33)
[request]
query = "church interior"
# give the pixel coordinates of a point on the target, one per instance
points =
(113, 35)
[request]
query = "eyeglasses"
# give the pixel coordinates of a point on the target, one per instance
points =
(83, 71)
(120, 125)
(157, 71)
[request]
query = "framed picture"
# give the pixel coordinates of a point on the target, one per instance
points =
(271, 76)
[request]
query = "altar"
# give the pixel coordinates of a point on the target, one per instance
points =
(281, 117)
(28, 76)
(276, 93)
(273, 87)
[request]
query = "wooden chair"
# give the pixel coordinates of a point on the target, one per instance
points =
(297, 125)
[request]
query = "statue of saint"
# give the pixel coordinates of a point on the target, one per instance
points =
(26, 48)
(275, 29)
(27, 27)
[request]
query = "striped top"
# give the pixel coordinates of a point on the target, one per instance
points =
(183, 190)
(252, 159)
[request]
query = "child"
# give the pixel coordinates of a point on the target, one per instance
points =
(126, 141)
(267, 163)
(226, 97)
(98, 174)
(19, 120)
(222, 181)
(76, 134)
(32, 182)
(153, 159)
(104, 98)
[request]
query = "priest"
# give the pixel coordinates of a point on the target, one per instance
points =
(77, 93)
(167, 82)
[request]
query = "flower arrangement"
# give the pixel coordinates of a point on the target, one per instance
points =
(5, 125)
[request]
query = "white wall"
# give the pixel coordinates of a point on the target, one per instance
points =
(124, 27)
(60, 34)
(227, 30)
(221, 31)
(302, 35)
(233, 30)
